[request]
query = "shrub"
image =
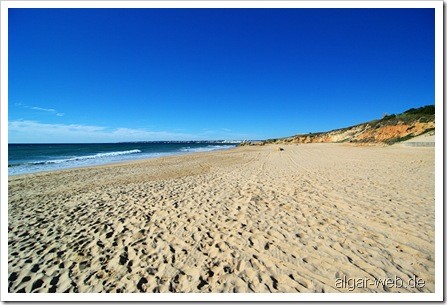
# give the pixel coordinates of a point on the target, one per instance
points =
(426, 110)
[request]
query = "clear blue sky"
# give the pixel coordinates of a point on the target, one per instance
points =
(106, 75)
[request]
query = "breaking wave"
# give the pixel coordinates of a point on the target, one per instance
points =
(95, 156)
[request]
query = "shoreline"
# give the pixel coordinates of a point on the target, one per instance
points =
(181, 154)
(143, 159)
(248, 219)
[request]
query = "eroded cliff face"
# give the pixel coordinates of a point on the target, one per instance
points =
(366, 133)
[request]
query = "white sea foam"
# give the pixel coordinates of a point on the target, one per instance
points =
(95, 156)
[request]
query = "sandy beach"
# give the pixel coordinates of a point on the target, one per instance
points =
(250, 219)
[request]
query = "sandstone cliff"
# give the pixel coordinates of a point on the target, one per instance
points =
(390, 129)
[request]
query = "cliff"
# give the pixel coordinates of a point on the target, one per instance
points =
(390, 129)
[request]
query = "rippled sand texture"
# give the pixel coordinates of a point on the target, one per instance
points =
(252, 219)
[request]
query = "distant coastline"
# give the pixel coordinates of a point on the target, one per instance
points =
(186, 141)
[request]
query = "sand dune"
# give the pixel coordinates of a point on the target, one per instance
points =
(251, 219)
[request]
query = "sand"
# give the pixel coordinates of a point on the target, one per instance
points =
(250, 219)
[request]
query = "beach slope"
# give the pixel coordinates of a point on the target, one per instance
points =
(250, 219)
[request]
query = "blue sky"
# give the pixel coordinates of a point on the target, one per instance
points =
(107, 75)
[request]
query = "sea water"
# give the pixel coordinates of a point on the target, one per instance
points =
(31, 158)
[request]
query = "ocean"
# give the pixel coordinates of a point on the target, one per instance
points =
(32, 158)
